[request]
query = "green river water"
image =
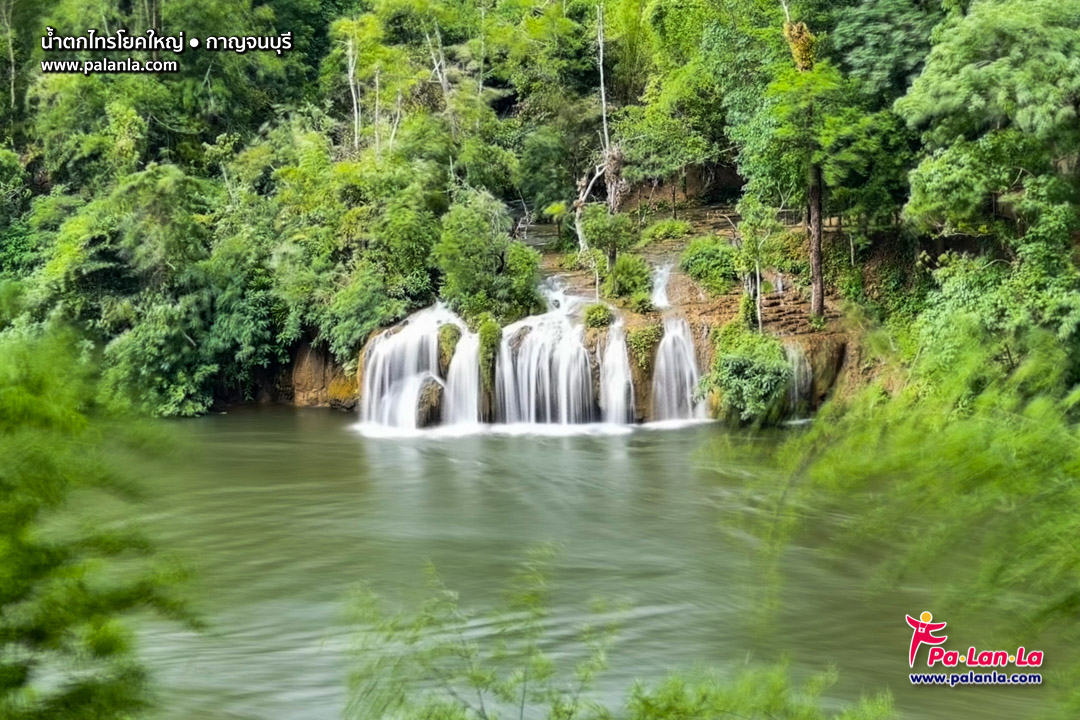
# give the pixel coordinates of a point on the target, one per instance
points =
(283, 511)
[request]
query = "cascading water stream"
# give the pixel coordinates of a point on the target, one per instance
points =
(802, 380)
(462, 397)
(399, 364)
(616, 387)
(675, 378)
(543, 373)
(660, 278)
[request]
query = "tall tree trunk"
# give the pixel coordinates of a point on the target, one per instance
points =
(378, 146)
(7, 16)
(585, 186)
(438, 61)
(801, 43)
(351, 54)
(600, 65)
(757, 268)
(817, 281)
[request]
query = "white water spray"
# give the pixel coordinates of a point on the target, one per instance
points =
(660, 278)
(802, 380)
(675, 379)
(399, 364)
(462, 398)
(616, 387)
(543, 373)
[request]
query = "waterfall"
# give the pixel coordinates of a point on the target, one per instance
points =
(463, 383)
(400, 362)
(616, 388)
(802, 380)
(659, 286)
(543, 373)
(675, 377)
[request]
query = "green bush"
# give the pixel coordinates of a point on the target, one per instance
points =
(642, 343)
(628, 276)
(72, 591)
(598, 316)
(449, 335)
(611, 233)
(483, 270)
(490, 333)
(666, 229)
(711, 262)
(750, 372)
(641, 302)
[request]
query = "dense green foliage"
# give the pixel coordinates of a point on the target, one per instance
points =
(68, 585)
(711, 261)
(666, 229)
(490, 333)
(641, 302)
(200, 225)
(599, 315)
(629, 276)
(607, 232)
(449, 336)
(642, 343)
(755, 692)
(749, 373)
(483, 270)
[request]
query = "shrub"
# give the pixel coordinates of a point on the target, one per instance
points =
(629, 275)
(598, 316)
(642, 344)
(750, 372)
(483, 270)
(490, 333)
(641, 302)
(610, 233)
(711, 262)
(449, 335)
(666, 229)
(71, 591)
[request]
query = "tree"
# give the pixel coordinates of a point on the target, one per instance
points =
(610, 233)
(801, 42)
(884, 43)
(65, 652)
(360, 39)
(658, 146)
(483, 269)
(997, 102)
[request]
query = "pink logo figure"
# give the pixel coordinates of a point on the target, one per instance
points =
(924, 633)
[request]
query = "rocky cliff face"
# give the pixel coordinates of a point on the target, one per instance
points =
(315, 380)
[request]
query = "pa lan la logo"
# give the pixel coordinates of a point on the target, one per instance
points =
(923, 633)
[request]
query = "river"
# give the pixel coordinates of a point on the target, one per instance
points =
(283, 511)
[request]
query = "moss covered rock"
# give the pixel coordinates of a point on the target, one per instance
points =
(449, 335)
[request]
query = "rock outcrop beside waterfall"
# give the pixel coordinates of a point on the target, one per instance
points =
(315, 380)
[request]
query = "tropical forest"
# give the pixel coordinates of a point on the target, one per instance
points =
(539, 359)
